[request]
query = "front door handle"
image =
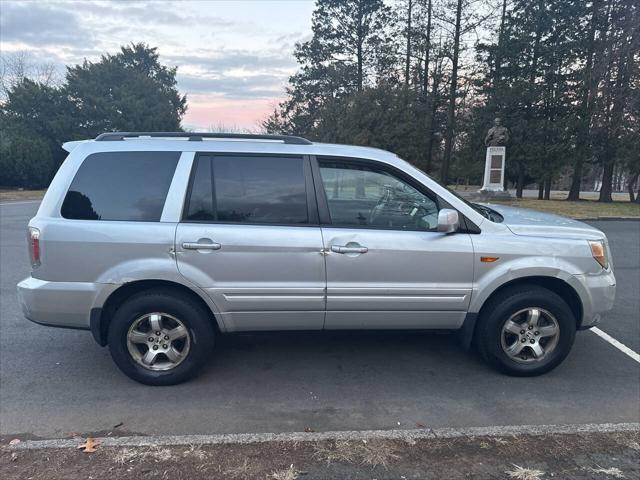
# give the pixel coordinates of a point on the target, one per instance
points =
(201, 246)
(348, 249)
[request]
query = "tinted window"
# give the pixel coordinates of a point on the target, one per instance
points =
(251, 190)
(201, 200)
(121, 186)
(362, 196)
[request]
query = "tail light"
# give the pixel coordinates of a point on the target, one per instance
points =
(34, 246)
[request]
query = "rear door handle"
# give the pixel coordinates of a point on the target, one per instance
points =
(201, 246)
(346, 249)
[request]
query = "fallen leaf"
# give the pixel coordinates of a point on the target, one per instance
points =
(89, 446)
(309, 429)
(419, 425)
(14, 441)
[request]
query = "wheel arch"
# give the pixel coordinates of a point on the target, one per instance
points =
(554, 284)
(101, 317)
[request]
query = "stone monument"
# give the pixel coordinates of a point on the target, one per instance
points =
(495, 141)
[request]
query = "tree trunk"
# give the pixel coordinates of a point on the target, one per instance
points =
(547, 188)
(607, 180)
(407, 67)
(540, 190)
(586, 108)
(448, 142)
(498, 60)
(520, 183)
(359, 52)
(631, 184)
(434, 110)
(427, 53)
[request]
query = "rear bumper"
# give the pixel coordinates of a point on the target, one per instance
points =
(598, 295)
(59, 304)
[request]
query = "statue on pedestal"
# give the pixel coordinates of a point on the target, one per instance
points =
(495, 141)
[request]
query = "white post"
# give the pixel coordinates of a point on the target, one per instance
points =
(494, 170)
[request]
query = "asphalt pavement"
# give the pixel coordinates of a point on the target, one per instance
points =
(54, 382)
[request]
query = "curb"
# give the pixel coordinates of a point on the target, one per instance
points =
(353, 435)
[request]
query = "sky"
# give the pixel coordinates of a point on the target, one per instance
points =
(233, 57)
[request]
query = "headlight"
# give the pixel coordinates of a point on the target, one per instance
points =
(599, 252)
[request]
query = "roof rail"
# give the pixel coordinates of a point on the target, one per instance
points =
(199, 136)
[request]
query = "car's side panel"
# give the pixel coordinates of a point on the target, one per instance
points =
(262, 277)
(103, 251)
(404, 280)
(519, 257)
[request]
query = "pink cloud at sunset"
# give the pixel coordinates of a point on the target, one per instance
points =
(215, 111)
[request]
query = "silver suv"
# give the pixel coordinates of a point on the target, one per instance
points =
(159, 242)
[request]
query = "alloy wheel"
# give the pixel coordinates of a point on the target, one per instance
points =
(530, 335)
(158, 341)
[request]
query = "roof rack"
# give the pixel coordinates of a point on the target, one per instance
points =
(198, 136)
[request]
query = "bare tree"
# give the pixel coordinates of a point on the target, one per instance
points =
(16, 66)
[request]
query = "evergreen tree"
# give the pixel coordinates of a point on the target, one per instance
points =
(350, 49)
(129, 91)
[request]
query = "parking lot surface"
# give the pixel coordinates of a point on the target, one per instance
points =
(54, 382)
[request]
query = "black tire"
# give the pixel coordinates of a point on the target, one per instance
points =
(499, 309)
(197, 321)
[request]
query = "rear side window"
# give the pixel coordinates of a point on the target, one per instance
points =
(200, 206)
(251, 189)
(121, 186)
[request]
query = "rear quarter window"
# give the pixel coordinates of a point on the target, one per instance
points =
(125, 186)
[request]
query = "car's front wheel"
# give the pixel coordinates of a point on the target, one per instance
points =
(525, 330)
(160, 337)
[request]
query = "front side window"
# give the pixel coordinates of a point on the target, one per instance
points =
(368, 196)
(248, 189)
(129, 186)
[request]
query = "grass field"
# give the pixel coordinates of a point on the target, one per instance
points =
(13, 195)
(584, 209)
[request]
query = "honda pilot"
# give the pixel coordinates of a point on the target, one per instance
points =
(158, 243)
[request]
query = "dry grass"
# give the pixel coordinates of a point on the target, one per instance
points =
(241, 471)
(582, 209)
(195, 451)
(288, 474)
(521, 473)
(126, 455)
(374, 452)
(10, 195)
(378, 452)
(340, 451)
(634, 446)
(613, 472)
(159, 454)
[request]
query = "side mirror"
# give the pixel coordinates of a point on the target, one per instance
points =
(448, 221)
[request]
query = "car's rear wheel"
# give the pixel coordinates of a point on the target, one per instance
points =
(525, 330)
(160, 337)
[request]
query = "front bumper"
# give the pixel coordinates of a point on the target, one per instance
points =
(598, 294)
(59, 304)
